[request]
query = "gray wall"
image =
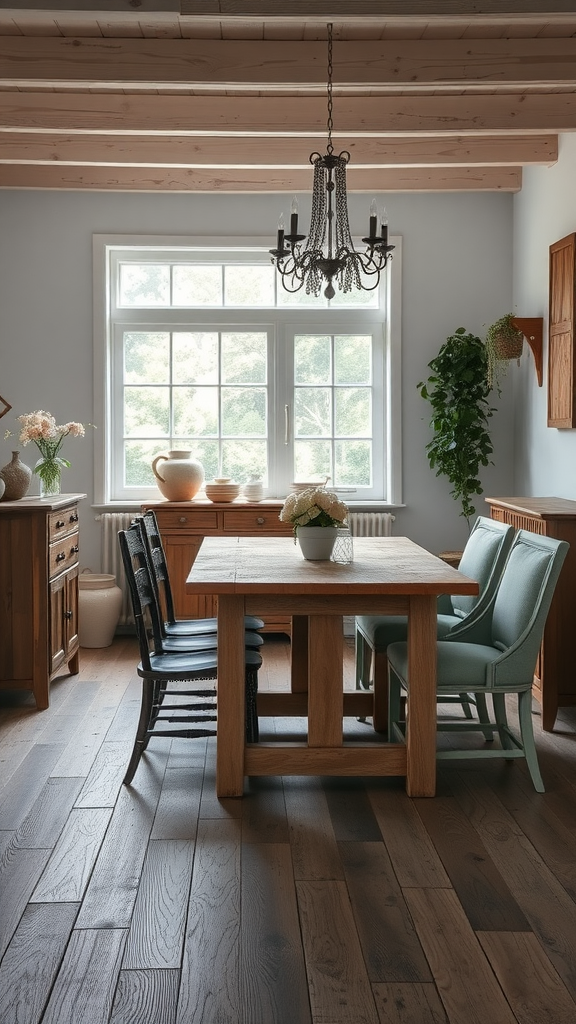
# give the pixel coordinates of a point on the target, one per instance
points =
(457, 271)
(544, 212)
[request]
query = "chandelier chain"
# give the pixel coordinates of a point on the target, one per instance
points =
(328, 255)
(330, 123)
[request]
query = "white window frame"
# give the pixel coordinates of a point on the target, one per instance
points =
(288, 320)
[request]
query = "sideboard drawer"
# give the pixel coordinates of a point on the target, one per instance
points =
(62, 523)
(178, 519)
(63, 554)
(251, 522)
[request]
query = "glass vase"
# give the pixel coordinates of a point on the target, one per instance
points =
(48, 472)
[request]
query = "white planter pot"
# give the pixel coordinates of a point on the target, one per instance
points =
(99, 605)
(316, 542)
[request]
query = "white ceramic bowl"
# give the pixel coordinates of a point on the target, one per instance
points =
(303, 485)
(222, 491)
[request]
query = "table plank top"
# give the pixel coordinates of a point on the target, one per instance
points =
(259, 565)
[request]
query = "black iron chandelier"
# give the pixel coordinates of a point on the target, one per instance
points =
(328, 254)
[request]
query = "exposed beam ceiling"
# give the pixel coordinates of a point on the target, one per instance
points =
(181, 95)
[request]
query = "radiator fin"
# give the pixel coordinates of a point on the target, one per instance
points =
(112, 522)
(371, 524)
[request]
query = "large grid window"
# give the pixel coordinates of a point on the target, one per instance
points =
(206, 351)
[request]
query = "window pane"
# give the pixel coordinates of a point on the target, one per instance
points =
(352, 359)
(312, 359)
(242, 459)
(195, 357)
(146, 284)
(368, 300)
(312, 412)
(353, 463)
(352, 412)
(244, 358)
(146, 358)
(195, 411)
(312, 459)
(301, 298)
(206, 452)
(197, 285)
(244, 412)
(249, 286)
(138, 456)
(146, 412)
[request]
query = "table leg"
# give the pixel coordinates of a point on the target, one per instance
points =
(421, 709)
(299, 654)
(326, 686)
(231, 732)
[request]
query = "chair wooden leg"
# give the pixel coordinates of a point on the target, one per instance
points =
(394, 700)
(484, 717)
(363, 659)
(142, 734)
(252, 728)
(465, 702)
(380, 716)
(499, 702)
(527, 735)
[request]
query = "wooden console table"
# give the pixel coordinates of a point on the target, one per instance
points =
(555, 677)
(39, 544)
(183, 526)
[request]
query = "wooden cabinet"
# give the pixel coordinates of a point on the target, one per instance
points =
(555, 677)
(183, 525)
(39, 549)
(561, 354)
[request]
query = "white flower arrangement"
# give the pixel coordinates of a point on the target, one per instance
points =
(313, 507)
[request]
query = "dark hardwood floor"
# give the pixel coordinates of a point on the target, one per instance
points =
(309, 901)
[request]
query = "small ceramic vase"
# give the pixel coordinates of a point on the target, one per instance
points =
(253, 490)
(16, 476)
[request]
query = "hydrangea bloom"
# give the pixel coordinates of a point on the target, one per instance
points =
(314, 507)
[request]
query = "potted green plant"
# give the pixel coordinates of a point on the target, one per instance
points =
(503, 342)
(458, 391)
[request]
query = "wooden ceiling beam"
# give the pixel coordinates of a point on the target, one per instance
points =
(179, 151)
(301, 9)
(93, 62)
(288, 117)
(119, 179)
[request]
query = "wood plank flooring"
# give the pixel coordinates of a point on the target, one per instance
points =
(309, 901)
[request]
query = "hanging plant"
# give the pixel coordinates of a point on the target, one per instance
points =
(458, 392)
(504, 342)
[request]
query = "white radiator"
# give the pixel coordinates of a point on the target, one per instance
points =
(370, 524)
(112, 522)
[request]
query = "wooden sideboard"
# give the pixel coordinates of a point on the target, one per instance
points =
(183, 525)
(555, 677)
(39, 545)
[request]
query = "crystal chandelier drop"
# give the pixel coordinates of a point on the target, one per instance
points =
(328, 254)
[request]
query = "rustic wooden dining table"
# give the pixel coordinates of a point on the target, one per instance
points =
(388, 576)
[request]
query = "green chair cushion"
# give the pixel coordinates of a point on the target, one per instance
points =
(460, 666)
(382, 630)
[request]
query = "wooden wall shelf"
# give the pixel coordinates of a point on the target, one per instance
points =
(532, 328)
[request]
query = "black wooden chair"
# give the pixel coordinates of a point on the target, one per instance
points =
(194, 641)
(159, 567)
(189, 712)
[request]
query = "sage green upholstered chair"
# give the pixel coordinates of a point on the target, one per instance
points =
(495, 654)
(482, 560)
